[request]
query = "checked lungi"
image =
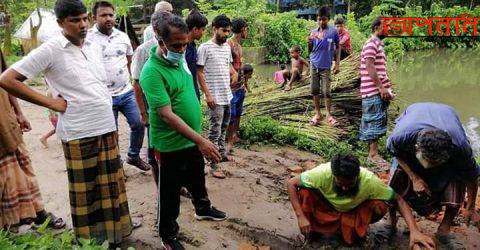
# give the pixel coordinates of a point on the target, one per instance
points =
(98, 199)
(374, 118)
(19, 192)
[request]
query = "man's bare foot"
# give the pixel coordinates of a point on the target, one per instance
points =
(331, 121)
(44, 142)
(229, 148)
(226, 158)
(377, 159)
(315, 121)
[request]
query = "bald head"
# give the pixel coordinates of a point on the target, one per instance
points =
(164, 6)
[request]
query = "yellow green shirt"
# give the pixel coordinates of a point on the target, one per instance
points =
(370, 187)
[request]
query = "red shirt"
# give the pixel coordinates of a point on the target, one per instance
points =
(345, 40)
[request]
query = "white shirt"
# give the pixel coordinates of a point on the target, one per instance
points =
(148, 34)
(140, 57)
(115, 49)
(76, 74)
(216, 60)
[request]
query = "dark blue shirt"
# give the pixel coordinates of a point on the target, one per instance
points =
(418, 116)
(191, 58)
(323, 47)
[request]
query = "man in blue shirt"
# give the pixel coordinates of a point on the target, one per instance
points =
(196, 23)
(433, 164)
(322, 44)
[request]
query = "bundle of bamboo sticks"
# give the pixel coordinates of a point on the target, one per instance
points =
(294, 109)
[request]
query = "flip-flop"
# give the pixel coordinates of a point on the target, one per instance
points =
(54, 223)
(331, 121)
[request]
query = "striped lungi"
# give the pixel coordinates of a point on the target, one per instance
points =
(374, 118)
(19, 192)
(98, 199)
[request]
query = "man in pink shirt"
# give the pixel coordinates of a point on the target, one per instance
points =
(375, 89)
(344, 34)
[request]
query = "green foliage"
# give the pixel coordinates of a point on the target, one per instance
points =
(266, 130)
(282, 31)
(46, 240)
(249, 10)
(395, 47)
(358, 38)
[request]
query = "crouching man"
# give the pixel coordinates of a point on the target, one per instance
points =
(342, 197)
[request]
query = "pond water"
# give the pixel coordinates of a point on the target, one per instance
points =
(446, 76)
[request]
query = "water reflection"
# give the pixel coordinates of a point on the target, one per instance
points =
(447, 76)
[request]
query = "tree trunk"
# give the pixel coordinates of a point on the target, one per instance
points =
(7, 42)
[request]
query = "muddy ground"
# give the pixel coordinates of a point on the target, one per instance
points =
(254, 196)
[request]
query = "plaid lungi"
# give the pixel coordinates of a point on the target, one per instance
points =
(452, 195)
(19, 192)
(98, 199)
(374, 118)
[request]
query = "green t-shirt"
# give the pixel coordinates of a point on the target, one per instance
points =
(167, 84)
(370, 187)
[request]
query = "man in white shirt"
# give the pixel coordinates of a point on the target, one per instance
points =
(116, 56)
(148, 33)
(214, 71)
(75, 74)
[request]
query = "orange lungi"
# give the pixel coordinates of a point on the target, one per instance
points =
(352, 225)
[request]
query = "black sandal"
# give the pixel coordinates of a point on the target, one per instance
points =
(54, 223)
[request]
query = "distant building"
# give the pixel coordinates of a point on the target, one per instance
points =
(339, 7)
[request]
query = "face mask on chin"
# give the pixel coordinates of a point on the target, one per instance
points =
(171, 56)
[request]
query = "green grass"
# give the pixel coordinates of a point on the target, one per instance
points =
(266, 130)
(46, 239)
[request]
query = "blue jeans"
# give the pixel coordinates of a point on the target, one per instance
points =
(127, 105)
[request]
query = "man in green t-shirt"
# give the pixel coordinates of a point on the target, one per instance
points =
(175, 122)
(340, 196)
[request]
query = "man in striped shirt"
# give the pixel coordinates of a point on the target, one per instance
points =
(376, 91)
(214, 71)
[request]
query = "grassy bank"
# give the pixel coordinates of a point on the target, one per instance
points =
(266, 130)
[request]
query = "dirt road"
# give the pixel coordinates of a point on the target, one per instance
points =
(254, 196)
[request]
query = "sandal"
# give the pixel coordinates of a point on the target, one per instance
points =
(136, 223)
(54, 223)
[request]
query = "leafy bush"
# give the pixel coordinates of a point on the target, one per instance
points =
(45, 239)
(282, 31)
(395, 47)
